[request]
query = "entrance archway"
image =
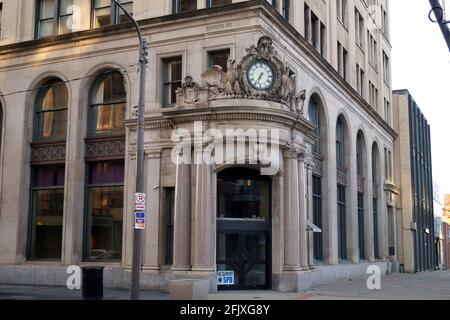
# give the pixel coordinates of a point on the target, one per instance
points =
(243, 229)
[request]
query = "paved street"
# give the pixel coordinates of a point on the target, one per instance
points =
(423, 286)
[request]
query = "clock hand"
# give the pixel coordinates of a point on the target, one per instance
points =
(260, 76)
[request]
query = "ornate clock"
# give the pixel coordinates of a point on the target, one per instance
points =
(260, 75)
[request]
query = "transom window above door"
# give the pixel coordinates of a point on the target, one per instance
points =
(243, 195)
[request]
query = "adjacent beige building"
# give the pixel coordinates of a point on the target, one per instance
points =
(314, 75)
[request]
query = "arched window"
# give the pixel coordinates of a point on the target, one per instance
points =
(48, 172)
(341, 189)
(108, 105)
(340, 147)
(375, 203)
(314, 118)
(51, 111)
(105, 170)
(360, 195)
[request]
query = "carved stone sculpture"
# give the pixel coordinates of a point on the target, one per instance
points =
(190, 90)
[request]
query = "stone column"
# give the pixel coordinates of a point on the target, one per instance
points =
(330, 228)
(203, 242)
(291, 213)
(303, 207)
(368, 214)
(151, 248)
(352, 212)
(182, 219)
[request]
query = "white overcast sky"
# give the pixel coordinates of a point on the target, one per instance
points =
(421, 64)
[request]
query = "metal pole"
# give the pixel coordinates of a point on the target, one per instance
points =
(143, 54)
(438, 12)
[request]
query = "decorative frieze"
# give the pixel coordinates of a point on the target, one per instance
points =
(375, 190)
(47, 153)
(341, 175)
(105, 148)
(318, 165)
(361, 182)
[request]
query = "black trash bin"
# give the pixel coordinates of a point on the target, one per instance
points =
(93, 283)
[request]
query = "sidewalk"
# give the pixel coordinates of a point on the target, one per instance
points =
(422, 286)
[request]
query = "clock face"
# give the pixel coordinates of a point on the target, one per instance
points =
(260, 75)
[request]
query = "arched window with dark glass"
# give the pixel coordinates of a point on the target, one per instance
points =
(314, 117)
(51, 112)
(48, 172)
(375, 203)
(341, 189)
(108, 105)
(340, 146)
(105, 170)
(360, 168)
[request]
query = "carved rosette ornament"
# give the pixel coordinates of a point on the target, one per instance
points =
(189, 89)
(259, 75)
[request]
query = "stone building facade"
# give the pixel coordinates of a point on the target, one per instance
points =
(416, 245)
(322, 208)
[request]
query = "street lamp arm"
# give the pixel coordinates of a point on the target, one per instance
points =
(136, 26)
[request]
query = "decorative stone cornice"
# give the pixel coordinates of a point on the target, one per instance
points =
(391, 188)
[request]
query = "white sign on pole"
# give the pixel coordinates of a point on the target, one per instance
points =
(140, 198)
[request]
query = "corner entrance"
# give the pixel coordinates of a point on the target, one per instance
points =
(243, 229)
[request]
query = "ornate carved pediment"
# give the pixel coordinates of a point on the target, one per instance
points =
(279, 84)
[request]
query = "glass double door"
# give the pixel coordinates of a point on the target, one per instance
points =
(243, 230)
(244, 254)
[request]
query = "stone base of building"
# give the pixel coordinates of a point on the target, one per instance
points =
(302, 281)
(120, 278)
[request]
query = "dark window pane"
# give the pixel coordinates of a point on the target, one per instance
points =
(240, 197)
(106, 172)
(46, 28)
(342, 223)
(184, 5)
(46, 9)
(219, 58)
(52, 176)
(106, 217)
(109, 118)
(169, 207)
(317, 217)
(172, 75)
(314, 118)
(110, 89)
(49, 123)
(109, 104)
(216, 3)
(47, 224)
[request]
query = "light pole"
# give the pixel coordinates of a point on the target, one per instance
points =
(143, 54)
